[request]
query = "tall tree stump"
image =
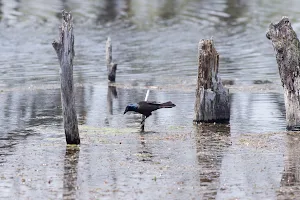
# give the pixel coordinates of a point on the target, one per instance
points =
(287, 49)
(212, 99)
(111, 67)
(65, 52)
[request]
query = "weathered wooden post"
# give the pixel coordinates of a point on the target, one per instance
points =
(142, 128)
(111, 67)
(287, 49)
(212, 99)
(65, 52)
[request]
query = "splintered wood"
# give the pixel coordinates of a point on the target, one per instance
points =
(212, 99)
(286, 46)
(65, 52)
(111, 67)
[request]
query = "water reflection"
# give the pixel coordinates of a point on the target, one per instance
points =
(1, 12)
(11, 11)
(257, 113)
(107, 12)
(127, 8)
(81, 100)
(70, 172)
(23, 112)
(20, 110)
(236, 9)
(168, 10)
(111, 93)
(7, 147)
(140, 52)
(212, 142)
(290, 181)
(153, 53)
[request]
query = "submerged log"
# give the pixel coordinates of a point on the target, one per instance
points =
(286, 46)
(111, 67)
(65, 52)
(212, 98)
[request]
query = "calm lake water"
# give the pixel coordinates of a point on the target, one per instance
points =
(155, 46)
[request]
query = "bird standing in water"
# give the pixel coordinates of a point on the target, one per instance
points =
(146, 107)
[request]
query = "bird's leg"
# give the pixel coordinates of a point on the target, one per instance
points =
(144, 119)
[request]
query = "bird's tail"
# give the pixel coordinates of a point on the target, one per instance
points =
(168, 104)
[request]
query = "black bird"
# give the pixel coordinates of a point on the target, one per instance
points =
(146, 107)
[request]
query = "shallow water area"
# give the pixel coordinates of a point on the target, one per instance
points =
(155, 45)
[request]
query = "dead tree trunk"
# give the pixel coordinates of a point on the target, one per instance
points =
(65, 53)
(287, 49)
(212, 99)
(111, 67)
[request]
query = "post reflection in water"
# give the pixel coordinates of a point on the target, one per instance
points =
(168, 9)
(236, 9)
(70, 172)
(111, 93)
(212, 141)
(1, 13)
(290, 181)
(127, 7)
(108, 12)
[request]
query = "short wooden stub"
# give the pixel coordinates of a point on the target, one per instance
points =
(286, 46)
(212, 99)
(111, 67)
(65, 52)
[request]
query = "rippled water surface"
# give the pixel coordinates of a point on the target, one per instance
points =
(155, 46)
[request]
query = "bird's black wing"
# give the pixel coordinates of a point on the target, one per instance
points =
(167, 104)
(153, 103)
(149, 104)
(146, 107)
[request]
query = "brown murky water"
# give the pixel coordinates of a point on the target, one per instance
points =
(155, 44)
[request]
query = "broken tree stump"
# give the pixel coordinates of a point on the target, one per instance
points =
(286, 46)
(65, 52)
(212, 98)
(111, 67)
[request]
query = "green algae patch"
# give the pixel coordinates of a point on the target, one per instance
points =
(176, 127)
(144, 154)
(73, 147)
